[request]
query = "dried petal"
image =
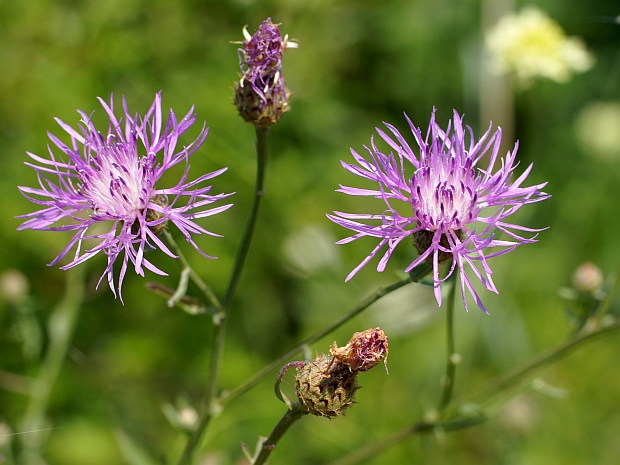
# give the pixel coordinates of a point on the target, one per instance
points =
(364, 350)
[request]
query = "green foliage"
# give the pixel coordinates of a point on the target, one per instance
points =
(358, 64)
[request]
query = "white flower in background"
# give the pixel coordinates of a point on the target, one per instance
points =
(531, 45)
(598, 129)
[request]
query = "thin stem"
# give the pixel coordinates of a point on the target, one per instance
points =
(220, 320)
(290, 417)
(363, 305)
(448, 380)
(513, 377)
(492, 388)
(262, 139)
(417, 428)
(278, 391)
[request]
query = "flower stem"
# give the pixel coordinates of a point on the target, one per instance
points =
(513, 377)
(262, 139)
(220, 319)
(448, 380)
(417, 428)
(494, 387)
(290, 417)
(363, 305)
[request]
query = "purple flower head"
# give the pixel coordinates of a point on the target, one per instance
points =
(451, 208)
(260, 95)
(103, 188)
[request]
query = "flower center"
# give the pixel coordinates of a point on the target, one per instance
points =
(117, 183)
(443, 195)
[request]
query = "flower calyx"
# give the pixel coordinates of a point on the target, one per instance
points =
(326, 386)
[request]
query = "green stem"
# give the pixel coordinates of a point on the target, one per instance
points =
(207, 409)
(61, 327)
(448, 380)
(492, 388)
(290, 417)
(417, 428)
(262, 139)
(363, 305)
(611, 293)
(513, 377)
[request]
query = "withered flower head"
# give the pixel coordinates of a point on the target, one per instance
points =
(364, 350)
(325, 387)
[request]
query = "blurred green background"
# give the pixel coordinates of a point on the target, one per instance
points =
(359, 63)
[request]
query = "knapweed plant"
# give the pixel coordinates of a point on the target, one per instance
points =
(454, 211)
(442, 199)
(105, 188)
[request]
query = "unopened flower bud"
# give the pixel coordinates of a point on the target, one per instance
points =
(364, 350)
(588, 278)
(325, 386)
(14, 286)
(260, 94)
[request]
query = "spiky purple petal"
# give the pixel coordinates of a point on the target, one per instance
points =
(457, 207)
(105, 189)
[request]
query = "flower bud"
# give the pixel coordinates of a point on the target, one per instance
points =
(260, 94)
(14, 286)
(588, 278)
(261, 109)
(325, 386)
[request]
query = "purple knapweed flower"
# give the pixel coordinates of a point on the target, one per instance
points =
(451, 208)
(104, 189)
(260, 94)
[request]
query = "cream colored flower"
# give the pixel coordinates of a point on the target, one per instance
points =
(530, 45)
